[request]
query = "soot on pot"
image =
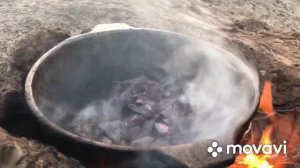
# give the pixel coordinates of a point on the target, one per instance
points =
(138, 112)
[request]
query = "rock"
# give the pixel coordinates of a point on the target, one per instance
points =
(137, 120)
(96, 132)
(165, 120)
(147, 128)
(168, 111)
(84, 130)
(145, 110)
(137, 132)
(134, 132)
(161, 129)
(166, 103)
(183, 108)
(115, 130)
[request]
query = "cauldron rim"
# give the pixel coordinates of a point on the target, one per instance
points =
(45, 121)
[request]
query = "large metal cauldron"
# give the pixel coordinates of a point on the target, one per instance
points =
(82, 69)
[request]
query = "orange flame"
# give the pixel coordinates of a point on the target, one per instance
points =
(266, 136)
(283, 127)
(266, 100)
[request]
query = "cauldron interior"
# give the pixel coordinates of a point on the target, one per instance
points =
(83, 68)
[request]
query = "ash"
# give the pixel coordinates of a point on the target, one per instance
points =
(138, 112)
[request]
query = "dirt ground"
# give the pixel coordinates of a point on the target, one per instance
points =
(266, 32)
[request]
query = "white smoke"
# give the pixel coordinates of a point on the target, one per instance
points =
(220, 87)
(223, 91)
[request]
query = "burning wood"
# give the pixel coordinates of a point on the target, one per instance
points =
(277, 129)
(139, 112)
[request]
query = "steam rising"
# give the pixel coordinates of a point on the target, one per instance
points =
(221, 92)
(220, 88)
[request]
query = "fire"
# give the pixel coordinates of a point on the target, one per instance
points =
(276, 129)
(266, 100)
(254, 161)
